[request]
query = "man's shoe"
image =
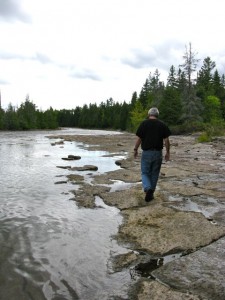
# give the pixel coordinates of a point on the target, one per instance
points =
(149, 195)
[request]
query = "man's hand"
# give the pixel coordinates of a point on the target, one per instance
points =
(135, 153)
(167, 144)
(138, 143)
(167, 156)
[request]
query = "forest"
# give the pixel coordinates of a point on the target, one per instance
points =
(192, 99)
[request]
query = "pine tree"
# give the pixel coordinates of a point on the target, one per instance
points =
(156, 88)
(204, 83)
(172, 80)
(27, 114)
(145, 94)
(11, 121)
(134, 99)
(170, 106)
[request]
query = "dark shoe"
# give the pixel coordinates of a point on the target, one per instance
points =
(149, 195)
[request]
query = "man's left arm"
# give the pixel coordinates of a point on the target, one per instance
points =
(137, 144)
(167, 145)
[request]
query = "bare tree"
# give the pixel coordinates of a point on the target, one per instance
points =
(192, 106)
(190, 64)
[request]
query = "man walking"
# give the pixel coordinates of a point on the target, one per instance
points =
(152, 134)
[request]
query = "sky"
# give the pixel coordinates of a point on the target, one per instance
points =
(67, 53)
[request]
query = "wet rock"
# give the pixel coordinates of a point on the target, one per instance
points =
(127, 163)
(149, 289)
(124, 199)
(74, 157)
(71, 157)
(201, 273)
(159, 230)
(75, 178)
(61, 182)
(64, 167)
(124, 175)
(123, 260)
(85, 195)
(219, 217)
(85, 168)
(57, 143)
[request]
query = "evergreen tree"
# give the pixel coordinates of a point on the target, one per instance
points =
(50, 117)
(170, 107)
(172, 80)
(27, 115)
(218, 89)
(124, 116)
(181, 81)
(2, 115)
(84, 117)
(191, 106)
(41, 121)
(204, 82)
(11, 121)
(76, 116)
(134, 99)
(144, 96)
(156, 88)
(93, 118)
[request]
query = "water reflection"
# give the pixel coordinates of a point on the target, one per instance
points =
(50, 249)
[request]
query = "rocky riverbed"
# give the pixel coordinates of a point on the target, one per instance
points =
(176, 242)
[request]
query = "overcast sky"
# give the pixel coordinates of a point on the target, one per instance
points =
(67, 53)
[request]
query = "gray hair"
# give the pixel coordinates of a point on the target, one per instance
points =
(153, 112)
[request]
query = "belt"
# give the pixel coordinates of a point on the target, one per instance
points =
(153, 149)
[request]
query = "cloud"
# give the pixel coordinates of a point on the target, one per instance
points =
(42, 58)
(2, 81)
(10, 55)
(85, 74)
(160, 56)
(11, 10)
(140, 58)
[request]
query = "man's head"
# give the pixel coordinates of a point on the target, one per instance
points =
(153, 112)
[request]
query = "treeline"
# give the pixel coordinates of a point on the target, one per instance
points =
(188, 101)
(27, 117)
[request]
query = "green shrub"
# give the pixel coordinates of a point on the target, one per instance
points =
(216, 128)
(204, 138)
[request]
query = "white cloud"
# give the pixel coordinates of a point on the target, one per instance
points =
(11, 10)
(67, 53)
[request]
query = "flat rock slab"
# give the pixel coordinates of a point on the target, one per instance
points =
(156, 291)
(124, 199)
(201, 273)
(160, 230)
(85, 168)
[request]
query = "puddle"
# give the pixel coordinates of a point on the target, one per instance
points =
(119, 185)
(208, 206)
(145, 269)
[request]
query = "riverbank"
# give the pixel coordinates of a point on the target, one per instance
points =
(176, 241)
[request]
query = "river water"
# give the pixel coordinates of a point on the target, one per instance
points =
(50, 248)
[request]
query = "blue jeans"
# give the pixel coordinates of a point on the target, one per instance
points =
(151, 162)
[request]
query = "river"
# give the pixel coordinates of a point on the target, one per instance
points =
(50, 248)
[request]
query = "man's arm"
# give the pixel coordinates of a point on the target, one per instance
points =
(167, 145)
(137, 144)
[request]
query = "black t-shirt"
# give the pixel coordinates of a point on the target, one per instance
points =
(152, 132)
